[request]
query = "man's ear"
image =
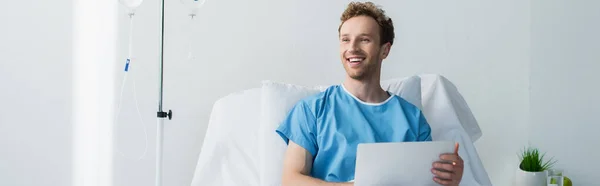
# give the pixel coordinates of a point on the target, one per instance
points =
(385, 50)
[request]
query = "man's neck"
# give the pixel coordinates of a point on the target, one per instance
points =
(368, 90)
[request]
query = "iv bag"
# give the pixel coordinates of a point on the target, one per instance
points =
(193, 6)
(132, 4)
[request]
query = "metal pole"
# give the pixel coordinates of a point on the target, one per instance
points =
(161, 115)
(162, 42)
(159, 145)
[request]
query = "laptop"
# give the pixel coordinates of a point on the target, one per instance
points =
(398, 163)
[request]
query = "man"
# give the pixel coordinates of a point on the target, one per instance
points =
(323, 130)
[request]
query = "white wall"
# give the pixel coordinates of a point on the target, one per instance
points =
(485, 48)
(40, 101)
(481, 46)
(35, 105)
(564, 85)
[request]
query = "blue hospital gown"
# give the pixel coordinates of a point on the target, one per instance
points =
(331, 124)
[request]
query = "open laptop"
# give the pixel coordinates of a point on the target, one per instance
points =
(398, 163)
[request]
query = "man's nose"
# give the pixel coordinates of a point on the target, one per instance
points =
(353, 46)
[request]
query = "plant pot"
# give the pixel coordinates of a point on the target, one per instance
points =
(524, 178)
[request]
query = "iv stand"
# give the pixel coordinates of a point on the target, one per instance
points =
(161, 115)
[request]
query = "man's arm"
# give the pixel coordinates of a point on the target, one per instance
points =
(297, 165)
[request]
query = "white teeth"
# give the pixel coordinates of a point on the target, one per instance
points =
(355, 59)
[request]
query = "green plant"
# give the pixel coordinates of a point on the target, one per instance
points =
(533, 161)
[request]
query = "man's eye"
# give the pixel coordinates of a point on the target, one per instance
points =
(345, 40)
(365, 40)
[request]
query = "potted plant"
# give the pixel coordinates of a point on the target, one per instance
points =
(533, 168)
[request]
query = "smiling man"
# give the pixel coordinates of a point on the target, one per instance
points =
(324, 130)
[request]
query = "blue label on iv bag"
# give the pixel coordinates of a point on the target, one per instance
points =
(127, 65)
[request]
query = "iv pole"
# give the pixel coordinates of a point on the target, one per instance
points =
(161, 115)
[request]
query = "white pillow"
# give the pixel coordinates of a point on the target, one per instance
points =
(408, 88)
(229, 154)
(279, 98)
(444, 106)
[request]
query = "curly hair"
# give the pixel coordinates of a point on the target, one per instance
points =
(386, 27)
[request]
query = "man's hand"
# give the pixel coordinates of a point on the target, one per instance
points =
(449, 170)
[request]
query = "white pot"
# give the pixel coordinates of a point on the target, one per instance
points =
(524, 178)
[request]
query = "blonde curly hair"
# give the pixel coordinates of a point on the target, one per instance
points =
(386, 27)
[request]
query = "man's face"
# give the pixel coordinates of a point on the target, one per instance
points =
(360, 49)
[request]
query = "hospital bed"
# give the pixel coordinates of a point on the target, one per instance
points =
(242, 148)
